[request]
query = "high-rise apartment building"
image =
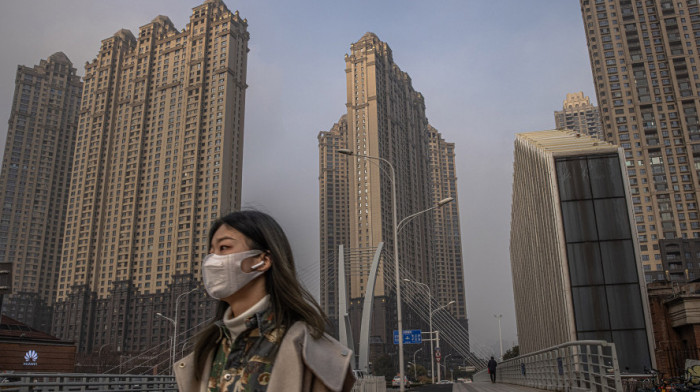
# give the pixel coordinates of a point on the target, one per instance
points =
(334, 217)
(447, 272)
(644, 56)
(158, 158)
(577, 273)
(578, 114)
(34, 184)
(386, 119)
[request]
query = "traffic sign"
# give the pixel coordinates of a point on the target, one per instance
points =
(410, 336)
(437, 354)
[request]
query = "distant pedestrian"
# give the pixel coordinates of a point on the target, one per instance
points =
(264, 318)
(492, 369)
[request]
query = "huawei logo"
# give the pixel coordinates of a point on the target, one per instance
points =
(30, 358)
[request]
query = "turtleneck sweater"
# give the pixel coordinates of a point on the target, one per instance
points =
(236, 325)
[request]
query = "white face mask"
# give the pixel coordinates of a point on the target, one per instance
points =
(222, 275)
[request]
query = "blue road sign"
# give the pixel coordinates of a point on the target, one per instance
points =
(410, 336)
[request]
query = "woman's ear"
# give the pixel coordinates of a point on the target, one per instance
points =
(264, 263)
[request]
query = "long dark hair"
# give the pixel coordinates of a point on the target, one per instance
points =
(289, 300)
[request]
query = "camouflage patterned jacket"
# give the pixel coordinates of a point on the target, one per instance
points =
(302, 364)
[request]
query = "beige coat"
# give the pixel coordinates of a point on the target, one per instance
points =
(302, 364)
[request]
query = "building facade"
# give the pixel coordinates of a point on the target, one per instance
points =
(680, 259)
(674, 311)
(386, 119)
(448, 271)
(334, 217)
(575, 260)
(644, 57)
(158, 158)
(578, 114)
(34, 184)
(26, 349)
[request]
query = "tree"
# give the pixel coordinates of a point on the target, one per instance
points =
(512, 352)
(384, 366)
(420, 371)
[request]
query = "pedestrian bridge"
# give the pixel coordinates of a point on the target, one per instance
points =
(471, 387)
(491, 387)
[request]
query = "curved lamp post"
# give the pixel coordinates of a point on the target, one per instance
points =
(402, 386)
(415, 372)
(172, 349)
(175, 330)
(438, 342)
(430, 318)
(445, 365)
(441, 203)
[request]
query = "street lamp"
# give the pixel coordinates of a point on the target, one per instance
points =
(430, 317)
(439, 204)
(175, 330)
(99, 355)
(415, 375)
(415, 372)
(444, 364)
(172, 349)
(177, 316)
(500, 339)
(402, 386)
(430, 322)
(438, 341)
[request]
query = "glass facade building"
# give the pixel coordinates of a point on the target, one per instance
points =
(605, 289)
(576, 268)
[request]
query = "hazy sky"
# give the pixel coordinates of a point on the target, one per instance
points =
(488, 69)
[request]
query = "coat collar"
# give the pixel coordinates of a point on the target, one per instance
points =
(327, 359)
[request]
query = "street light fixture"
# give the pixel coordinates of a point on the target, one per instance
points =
(430, 322)
(439, 204)
(344, 151)
(430, 318)
(175, 330)
(445, 365)
(177, 316)
(415, 374)
(438, 341)
(99, 355)
(172, 349)
(402, 386)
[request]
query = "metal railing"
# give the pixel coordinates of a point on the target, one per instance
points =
(51, 382)
(585, 365)
(369, 384)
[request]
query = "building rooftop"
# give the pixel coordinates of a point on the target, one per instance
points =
(565, 142)
(11, 329)
(60, 57)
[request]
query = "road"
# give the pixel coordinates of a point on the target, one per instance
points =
(471, 387)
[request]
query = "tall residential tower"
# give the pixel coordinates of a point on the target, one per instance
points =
(158, 158)
(578, 114)
(644, 56)
(34, 184)
(386, 119)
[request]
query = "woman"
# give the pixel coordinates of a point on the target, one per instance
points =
(267, 334)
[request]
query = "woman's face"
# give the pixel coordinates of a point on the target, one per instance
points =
(227, 240)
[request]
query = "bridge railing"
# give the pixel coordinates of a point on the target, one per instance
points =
(583, 365)
(370, 384)
(54, 382)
